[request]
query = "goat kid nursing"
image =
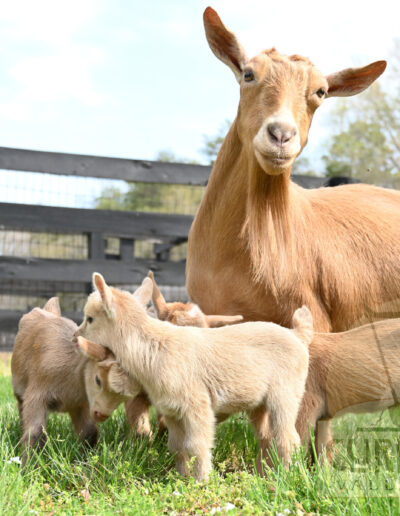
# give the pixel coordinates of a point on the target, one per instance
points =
(193, 374)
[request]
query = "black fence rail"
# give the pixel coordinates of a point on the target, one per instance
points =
(27, 279)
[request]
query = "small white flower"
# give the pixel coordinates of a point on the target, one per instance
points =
(229, 506)
(215, 509)
(15, 460)
(286, 511)
(176, 493)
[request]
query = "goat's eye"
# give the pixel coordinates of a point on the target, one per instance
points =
(98, 381)
(90, 320)
(248, 76)
(321, 93)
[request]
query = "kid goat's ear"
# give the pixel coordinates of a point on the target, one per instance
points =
(53, 306)
(144, 292)
(216, 321)
(158, 299)
(92, 350)
(105, 293)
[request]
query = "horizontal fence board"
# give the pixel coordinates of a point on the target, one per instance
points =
(117, 168)
(124, 224)
(9, 319)
(102, 167)
(80, 271)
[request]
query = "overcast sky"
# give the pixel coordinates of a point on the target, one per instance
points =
(130, 78)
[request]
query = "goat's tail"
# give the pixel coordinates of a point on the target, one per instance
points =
(302, 323)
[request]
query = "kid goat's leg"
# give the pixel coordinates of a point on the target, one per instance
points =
(323, 439)
(176, 437)
(260, 420)
(199, 440)
(283, 405)
(83, 425)
(137, 414)
(34, 415)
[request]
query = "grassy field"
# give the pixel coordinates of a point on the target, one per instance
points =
(127, 476)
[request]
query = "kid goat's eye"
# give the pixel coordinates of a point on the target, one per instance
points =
(90, 320)
(321, 93)
(248, 76)
(98, 381)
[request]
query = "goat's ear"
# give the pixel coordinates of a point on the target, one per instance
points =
(143, 293)
(53, 306)
(121, 383)
(354, 80)
(216, 321)
(105, 293)
(92, 350)
(158, 299)
(224, 43)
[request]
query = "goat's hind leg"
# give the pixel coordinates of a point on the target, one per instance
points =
(283, 409)
(176, 437)
(34, 416)
(260, 421)
(199, 440)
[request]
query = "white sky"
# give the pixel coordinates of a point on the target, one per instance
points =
(129, 78)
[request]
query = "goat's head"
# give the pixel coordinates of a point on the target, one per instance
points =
(107, 384)
(187, 314)
(279, 95)
(108, 311)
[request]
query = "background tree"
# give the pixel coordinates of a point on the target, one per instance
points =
(367, 145)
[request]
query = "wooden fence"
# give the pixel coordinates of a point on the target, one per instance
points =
(18, 274)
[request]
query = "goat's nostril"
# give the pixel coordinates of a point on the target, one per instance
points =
(281, 133)
(274, 132)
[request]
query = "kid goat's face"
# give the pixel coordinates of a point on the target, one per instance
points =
(101, 311)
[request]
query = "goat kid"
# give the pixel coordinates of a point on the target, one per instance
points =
(353, 371)
(192, 374)
(49, 376)
(180, 314)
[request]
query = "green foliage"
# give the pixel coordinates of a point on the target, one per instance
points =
(368, 144)
(212, 144)
(153, 197)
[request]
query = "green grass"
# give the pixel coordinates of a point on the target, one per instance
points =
(127, 476)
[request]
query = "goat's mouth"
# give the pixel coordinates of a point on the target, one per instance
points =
(278, 161)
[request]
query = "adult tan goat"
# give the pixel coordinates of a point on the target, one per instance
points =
(261, 244)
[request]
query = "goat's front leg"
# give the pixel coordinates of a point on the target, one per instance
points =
(84, 425)
(199, 440)
(137, 414)
(176, 438)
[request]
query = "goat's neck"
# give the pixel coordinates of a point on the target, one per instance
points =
(138, 349)
(258, 203)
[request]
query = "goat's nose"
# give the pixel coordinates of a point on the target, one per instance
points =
(281, 133)
(99, 417)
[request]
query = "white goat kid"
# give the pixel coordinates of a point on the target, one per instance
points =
(192, 374)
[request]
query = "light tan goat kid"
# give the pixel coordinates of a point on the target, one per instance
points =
(181, 314)
(192, 374)
(48, 375)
